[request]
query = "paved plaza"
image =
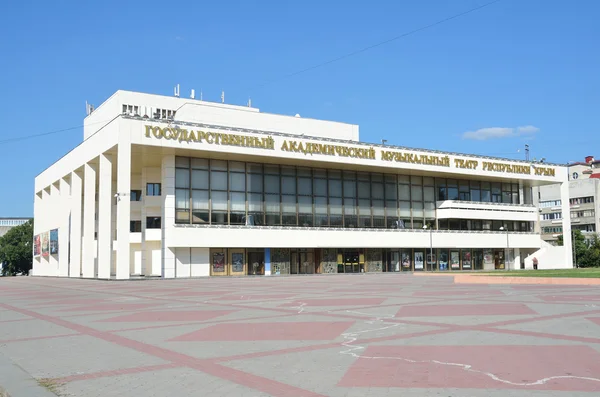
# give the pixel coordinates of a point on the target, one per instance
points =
(341, 335)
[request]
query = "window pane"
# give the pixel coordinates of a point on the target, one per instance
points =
(404, 192)
(429, 194)
(182, 178)
(320, 205)
(416, 180)
(199, 179)
(427, 181)
(364, 207)
(254, 168)
(219, 165)
(335, 206)
(288, 204)
(303, 172)
(378, 208)
(200, 199)
(429, 210)
(237, 166)
(254, 182)
(288, 171)
(350, 206)
(272, 202)
(305, 186)
(417, 210)
(304, 205)
(417, 193)
(237, 181)
(364, 190)
(182, 200)
(218, 180)
(255, 202)
(391, 191)
(377, 190)
(219, 201)
(404, 179)
(391, 208)
(200, 164)
(271, 184)
(288, 185)
(238, 202)
(404, 209)
(271, 169)
(182, 162)
(335, 188)
(349, 188)
(320, 186)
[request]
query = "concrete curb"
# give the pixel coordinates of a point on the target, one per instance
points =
(476, 279)
(16, 382)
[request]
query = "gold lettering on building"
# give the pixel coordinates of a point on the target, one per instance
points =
(506, 168)
(310, 148)
(216, 138)
(545, 171)
(468, 164)
(425, 159)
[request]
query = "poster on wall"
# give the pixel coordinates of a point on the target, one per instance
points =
(443, 260)
(418, 260)
(45, 243)
(237, 262)
(466, 260)
(54, 242)
(37, 246)
(488, 259)
(218, 262)
(405, 260)
(455, 260)
(431, 259)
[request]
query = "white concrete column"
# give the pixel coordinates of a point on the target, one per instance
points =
(144, 267)
(566, 224)
(104, 216)
(76, 231)
(89, 221)
(521, 193)
(168, 214)
(123, 205)
(63, 228)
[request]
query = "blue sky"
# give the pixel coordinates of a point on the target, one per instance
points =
(515, 72)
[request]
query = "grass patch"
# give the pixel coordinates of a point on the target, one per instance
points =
(593, 272)
(51, 385)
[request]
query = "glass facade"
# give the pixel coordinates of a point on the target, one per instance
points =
(222, 192)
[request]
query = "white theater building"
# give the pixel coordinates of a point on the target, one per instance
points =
(178, 187)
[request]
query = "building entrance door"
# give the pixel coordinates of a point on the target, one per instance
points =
(393, 261)
(351, 262)
(256, 263)
(302, 262)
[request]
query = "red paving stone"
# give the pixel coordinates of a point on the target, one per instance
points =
(162, 316)
(594, 319)
(570, 298)
(336, 302)
(486, 292)
(499, 309)
(267, 331)
(109, 307)
(476, 367)
(198, 293)
(255, 297)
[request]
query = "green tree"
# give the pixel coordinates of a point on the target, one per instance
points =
(587, 253)
(16, 250)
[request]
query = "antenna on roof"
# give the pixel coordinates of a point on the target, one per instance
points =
(200, 93)
(526, 152)
(193, 94)
(249, 102)
(89, 108)
(176, 91)
(383, 141)
(222, 96)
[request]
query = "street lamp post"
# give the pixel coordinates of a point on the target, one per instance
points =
(430, 244)
(502, 228)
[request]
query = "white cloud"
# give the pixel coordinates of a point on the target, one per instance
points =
(483, 134)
